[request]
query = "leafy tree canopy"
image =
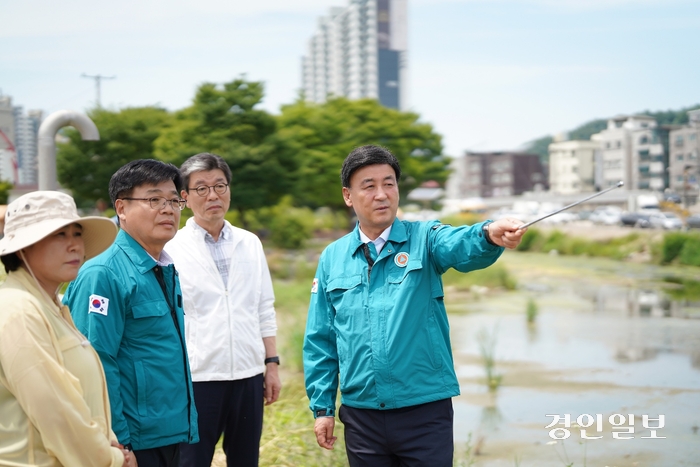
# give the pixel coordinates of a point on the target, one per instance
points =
(5, 188)
(86, 166)
(223, 120)
(322, 135)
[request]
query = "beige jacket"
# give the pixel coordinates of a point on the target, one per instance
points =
(54, 409)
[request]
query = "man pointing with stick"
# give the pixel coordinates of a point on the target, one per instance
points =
(377, 325)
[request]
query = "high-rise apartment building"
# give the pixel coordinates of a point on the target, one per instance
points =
(22, 130)
(359, 51)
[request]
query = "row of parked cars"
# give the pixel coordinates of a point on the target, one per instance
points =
(612, 215)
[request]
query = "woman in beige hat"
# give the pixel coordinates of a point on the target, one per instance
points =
(54, 408)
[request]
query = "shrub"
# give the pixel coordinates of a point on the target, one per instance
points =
(532, 240)
(556, 241)
(672, 246)
(462, 218)
(290, 227)
(690, 254)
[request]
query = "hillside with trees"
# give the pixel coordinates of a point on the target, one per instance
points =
(583, 132)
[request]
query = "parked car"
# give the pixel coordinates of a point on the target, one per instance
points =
(672, 197)
(635, 219)
(606, 215)
(665, 220)
(693, 222)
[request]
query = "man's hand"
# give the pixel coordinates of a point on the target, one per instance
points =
(505, 232)
(323, 427)
(273, 385)
(129, 457)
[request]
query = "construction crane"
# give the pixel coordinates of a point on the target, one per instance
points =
(11, 148)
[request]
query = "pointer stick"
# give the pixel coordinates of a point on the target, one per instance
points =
(619, 184)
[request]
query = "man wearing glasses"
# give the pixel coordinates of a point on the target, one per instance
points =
(230, 318)
(128, 302)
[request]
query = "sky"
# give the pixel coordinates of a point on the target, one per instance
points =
(487, 74)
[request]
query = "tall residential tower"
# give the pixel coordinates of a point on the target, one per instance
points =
(359, 51)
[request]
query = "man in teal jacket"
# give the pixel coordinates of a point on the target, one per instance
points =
(377, 324)
(128, 302)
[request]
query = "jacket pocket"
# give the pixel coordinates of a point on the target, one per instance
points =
(399, 275)
(344, 291)
(150, 309)
(141, 388)
(151, 319)
(346, 295)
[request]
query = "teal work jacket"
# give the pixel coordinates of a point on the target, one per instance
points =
(384, 337)
(118, 303)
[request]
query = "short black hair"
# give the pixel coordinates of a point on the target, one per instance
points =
(203, 162)
(364, 156)
(142, 172)
(11, 262)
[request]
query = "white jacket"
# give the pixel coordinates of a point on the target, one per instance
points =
(224, 323)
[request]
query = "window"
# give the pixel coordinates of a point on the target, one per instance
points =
(679, 141)
(691, 137)
(643, 139)
(679, 157)
(618, 144)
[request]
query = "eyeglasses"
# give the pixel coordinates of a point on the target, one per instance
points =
(203, 190)
(158, 202)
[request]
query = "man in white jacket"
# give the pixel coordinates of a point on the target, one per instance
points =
(230, 320)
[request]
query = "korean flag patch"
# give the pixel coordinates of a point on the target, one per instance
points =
(314, 285)
(98, 304)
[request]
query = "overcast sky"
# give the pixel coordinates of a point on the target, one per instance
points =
(488, 74)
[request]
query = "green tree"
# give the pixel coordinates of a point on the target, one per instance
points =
(5, 188)
(86, 166)
(223, 120)
(322, 135)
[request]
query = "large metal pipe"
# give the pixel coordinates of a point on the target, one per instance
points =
(47, 142)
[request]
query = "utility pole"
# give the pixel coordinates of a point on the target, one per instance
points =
(98, 79)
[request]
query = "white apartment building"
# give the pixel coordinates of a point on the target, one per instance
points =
(22, 130)
(631, 151)
(359, 51)
(684, 150)
(572, 166)
(7, 126)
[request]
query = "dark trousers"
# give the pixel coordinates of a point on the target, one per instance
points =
(164, 456)
(420, 435)
(231, 408)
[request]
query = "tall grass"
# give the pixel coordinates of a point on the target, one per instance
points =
(615, 248)
(487, 347)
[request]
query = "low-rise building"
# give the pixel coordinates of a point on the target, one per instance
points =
(684, 150)
(631, 150)
(572, 166)
(493, 174)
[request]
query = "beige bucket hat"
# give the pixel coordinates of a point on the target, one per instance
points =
(34, 216)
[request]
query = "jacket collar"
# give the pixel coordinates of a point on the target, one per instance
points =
(397, 235)
(135, 252)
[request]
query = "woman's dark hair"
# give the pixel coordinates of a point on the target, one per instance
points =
(364, 156)
(11, 262)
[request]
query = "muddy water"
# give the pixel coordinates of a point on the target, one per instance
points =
(607, 340)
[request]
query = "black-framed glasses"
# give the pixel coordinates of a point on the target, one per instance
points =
(203, 190)
(159, 202)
